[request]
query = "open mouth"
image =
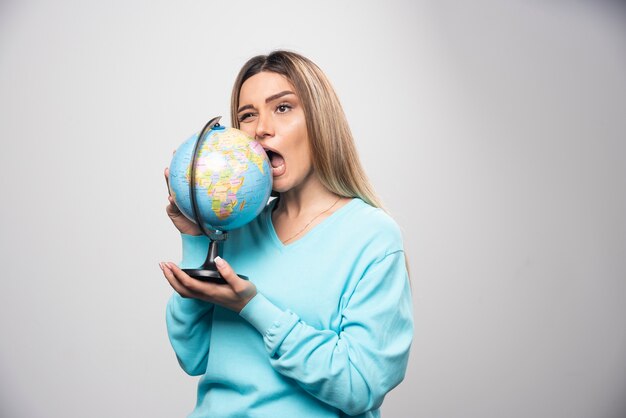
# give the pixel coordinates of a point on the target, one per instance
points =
(277, 161)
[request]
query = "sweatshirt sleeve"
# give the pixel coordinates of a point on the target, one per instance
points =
(354, 369)
(189, 320)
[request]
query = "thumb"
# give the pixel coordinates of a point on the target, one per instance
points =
(227, 271)
(242, 287)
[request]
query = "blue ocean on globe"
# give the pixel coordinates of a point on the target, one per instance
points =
(233, 178)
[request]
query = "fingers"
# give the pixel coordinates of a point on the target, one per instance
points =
(173, 281)
(234, 296)
(190, 286)
(172, 209)
(180, 281)
(166, 172)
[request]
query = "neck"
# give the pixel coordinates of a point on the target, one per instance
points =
(302, 201)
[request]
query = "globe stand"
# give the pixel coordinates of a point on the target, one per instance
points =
(208, 272)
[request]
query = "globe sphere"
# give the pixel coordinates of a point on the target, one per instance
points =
(232, 180)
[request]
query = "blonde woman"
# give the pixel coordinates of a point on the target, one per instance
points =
(324, 325)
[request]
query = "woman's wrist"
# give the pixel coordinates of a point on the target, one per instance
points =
(247, 299)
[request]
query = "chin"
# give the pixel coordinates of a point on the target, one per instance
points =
(277, 190)
(280, 187)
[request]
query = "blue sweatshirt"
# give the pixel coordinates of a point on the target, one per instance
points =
(327, 335)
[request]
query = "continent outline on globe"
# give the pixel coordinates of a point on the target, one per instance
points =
(225, 173)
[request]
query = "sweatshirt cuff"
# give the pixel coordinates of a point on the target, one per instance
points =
(273, 323)
(260, 313)
(195, 249)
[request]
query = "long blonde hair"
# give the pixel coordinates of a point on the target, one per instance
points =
(333, 153)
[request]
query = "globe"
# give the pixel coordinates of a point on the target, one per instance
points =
(232, 178)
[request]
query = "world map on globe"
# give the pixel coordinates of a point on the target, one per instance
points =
(232, 181)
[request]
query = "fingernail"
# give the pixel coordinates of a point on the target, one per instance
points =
(161, 266)
(220, 261)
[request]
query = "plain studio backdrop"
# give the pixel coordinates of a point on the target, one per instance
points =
(494, 132)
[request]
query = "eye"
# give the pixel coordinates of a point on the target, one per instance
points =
(283, 108)
(245, 117)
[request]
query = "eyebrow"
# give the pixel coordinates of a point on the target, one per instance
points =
(269, 99)
(278, 95)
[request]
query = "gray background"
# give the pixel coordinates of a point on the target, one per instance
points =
(494, 132)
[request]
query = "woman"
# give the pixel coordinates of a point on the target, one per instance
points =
(324, 325)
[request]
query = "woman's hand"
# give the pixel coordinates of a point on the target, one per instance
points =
(233, 295)
(180, 221)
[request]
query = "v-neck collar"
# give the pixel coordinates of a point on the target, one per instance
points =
(312, 233)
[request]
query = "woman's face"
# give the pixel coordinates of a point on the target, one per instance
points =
(271, 112)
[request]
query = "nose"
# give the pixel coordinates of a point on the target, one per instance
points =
(264, 127)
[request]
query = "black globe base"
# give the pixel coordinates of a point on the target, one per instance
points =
(208, 271)
(208, 275)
